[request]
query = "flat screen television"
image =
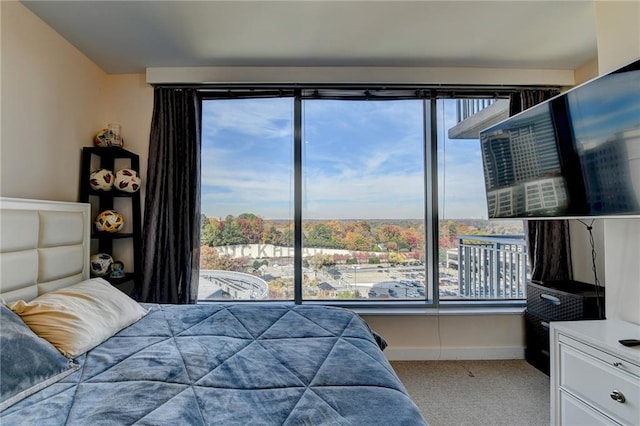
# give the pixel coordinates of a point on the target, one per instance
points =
(576, 155)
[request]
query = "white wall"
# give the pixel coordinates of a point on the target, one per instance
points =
(448, 336)
(622, 269)
(52, 105)
(617, 240)
(581, 250)
(54, 101)
(130, 103)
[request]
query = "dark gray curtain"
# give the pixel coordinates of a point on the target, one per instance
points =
(549, 249)
(171, 231)
(548, 241)
(524, 99)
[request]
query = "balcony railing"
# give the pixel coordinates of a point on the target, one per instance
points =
(492, 267)
(465, 108)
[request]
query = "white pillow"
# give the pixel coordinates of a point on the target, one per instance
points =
(77, 318)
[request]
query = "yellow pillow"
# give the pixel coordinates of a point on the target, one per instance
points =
(79, 317)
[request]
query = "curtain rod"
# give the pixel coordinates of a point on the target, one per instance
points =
(212, 87)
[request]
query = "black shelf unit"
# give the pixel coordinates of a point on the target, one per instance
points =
(105, 200)
(557, 301)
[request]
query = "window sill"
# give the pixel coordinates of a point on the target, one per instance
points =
(458, 309)
(449, 307)
(442, 311)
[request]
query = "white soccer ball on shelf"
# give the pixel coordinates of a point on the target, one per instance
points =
(100, 264)
(109, 221)
(101, 180)
(127, 180)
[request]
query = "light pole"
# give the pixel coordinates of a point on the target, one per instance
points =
(355, 276)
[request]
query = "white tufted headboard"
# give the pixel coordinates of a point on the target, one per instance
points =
(44, 245)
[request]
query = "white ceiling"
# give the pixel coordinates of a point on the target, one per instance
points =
(129, 36)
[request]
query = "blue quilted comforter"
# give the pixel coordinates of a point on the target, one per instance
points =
(236, 364)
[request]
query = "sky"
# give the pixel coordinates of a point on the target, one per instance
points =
(361, 160)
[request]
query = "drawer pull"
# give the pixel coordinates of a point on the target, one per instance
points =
(544, 324)
(550, 299)
(617, 364)
(618, 396)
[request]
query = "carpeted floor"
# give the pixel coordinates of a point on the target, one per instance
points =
(459, 393)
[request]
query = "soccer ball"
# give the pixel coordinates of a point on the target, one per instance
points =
(104, 139)
(127, 180)
(101, 180)
(109, 221)
(100, 264)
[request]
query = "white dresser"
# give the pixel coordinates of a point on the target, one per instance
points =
(594, 379)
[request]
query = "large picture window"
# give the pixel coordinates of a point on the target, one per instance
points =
(348, 196)
(363, 200)
(247, 200)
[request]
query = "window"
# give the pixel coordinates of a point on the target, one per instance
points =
(247, 200)
(478, 259)
(350, 173)
(363, 200)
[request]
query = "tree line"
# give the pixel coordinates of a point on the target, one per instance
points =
(360, 235)
(393, 243)
(354, 235)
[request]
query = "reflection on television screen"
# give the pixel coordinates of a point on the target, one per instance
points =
(576, 155)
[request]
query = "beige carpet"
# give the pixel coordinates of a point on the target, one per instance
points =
(457, 393)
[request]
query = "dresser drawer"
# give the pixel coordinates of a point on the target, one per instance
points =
(590, 375)
(574, 412)
(623, 367)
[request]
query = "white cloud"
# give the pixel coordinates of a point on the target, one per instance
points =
(262, 118)
(376, 174)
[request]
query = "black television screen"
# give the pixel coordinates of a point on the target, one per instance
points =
(576, 155)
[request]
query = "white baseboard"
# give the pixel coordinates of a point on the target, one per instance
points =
(431, 354)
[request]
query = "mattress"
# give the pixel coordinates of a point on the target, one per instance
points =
(228, 364)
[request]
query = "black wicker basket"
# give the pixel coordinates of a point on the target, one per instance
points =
(565, 300)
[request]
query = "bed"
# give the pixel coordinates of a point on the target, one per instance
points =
(210, 363)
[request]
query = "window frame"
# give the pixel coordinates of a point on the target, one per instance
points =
(429, 95)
